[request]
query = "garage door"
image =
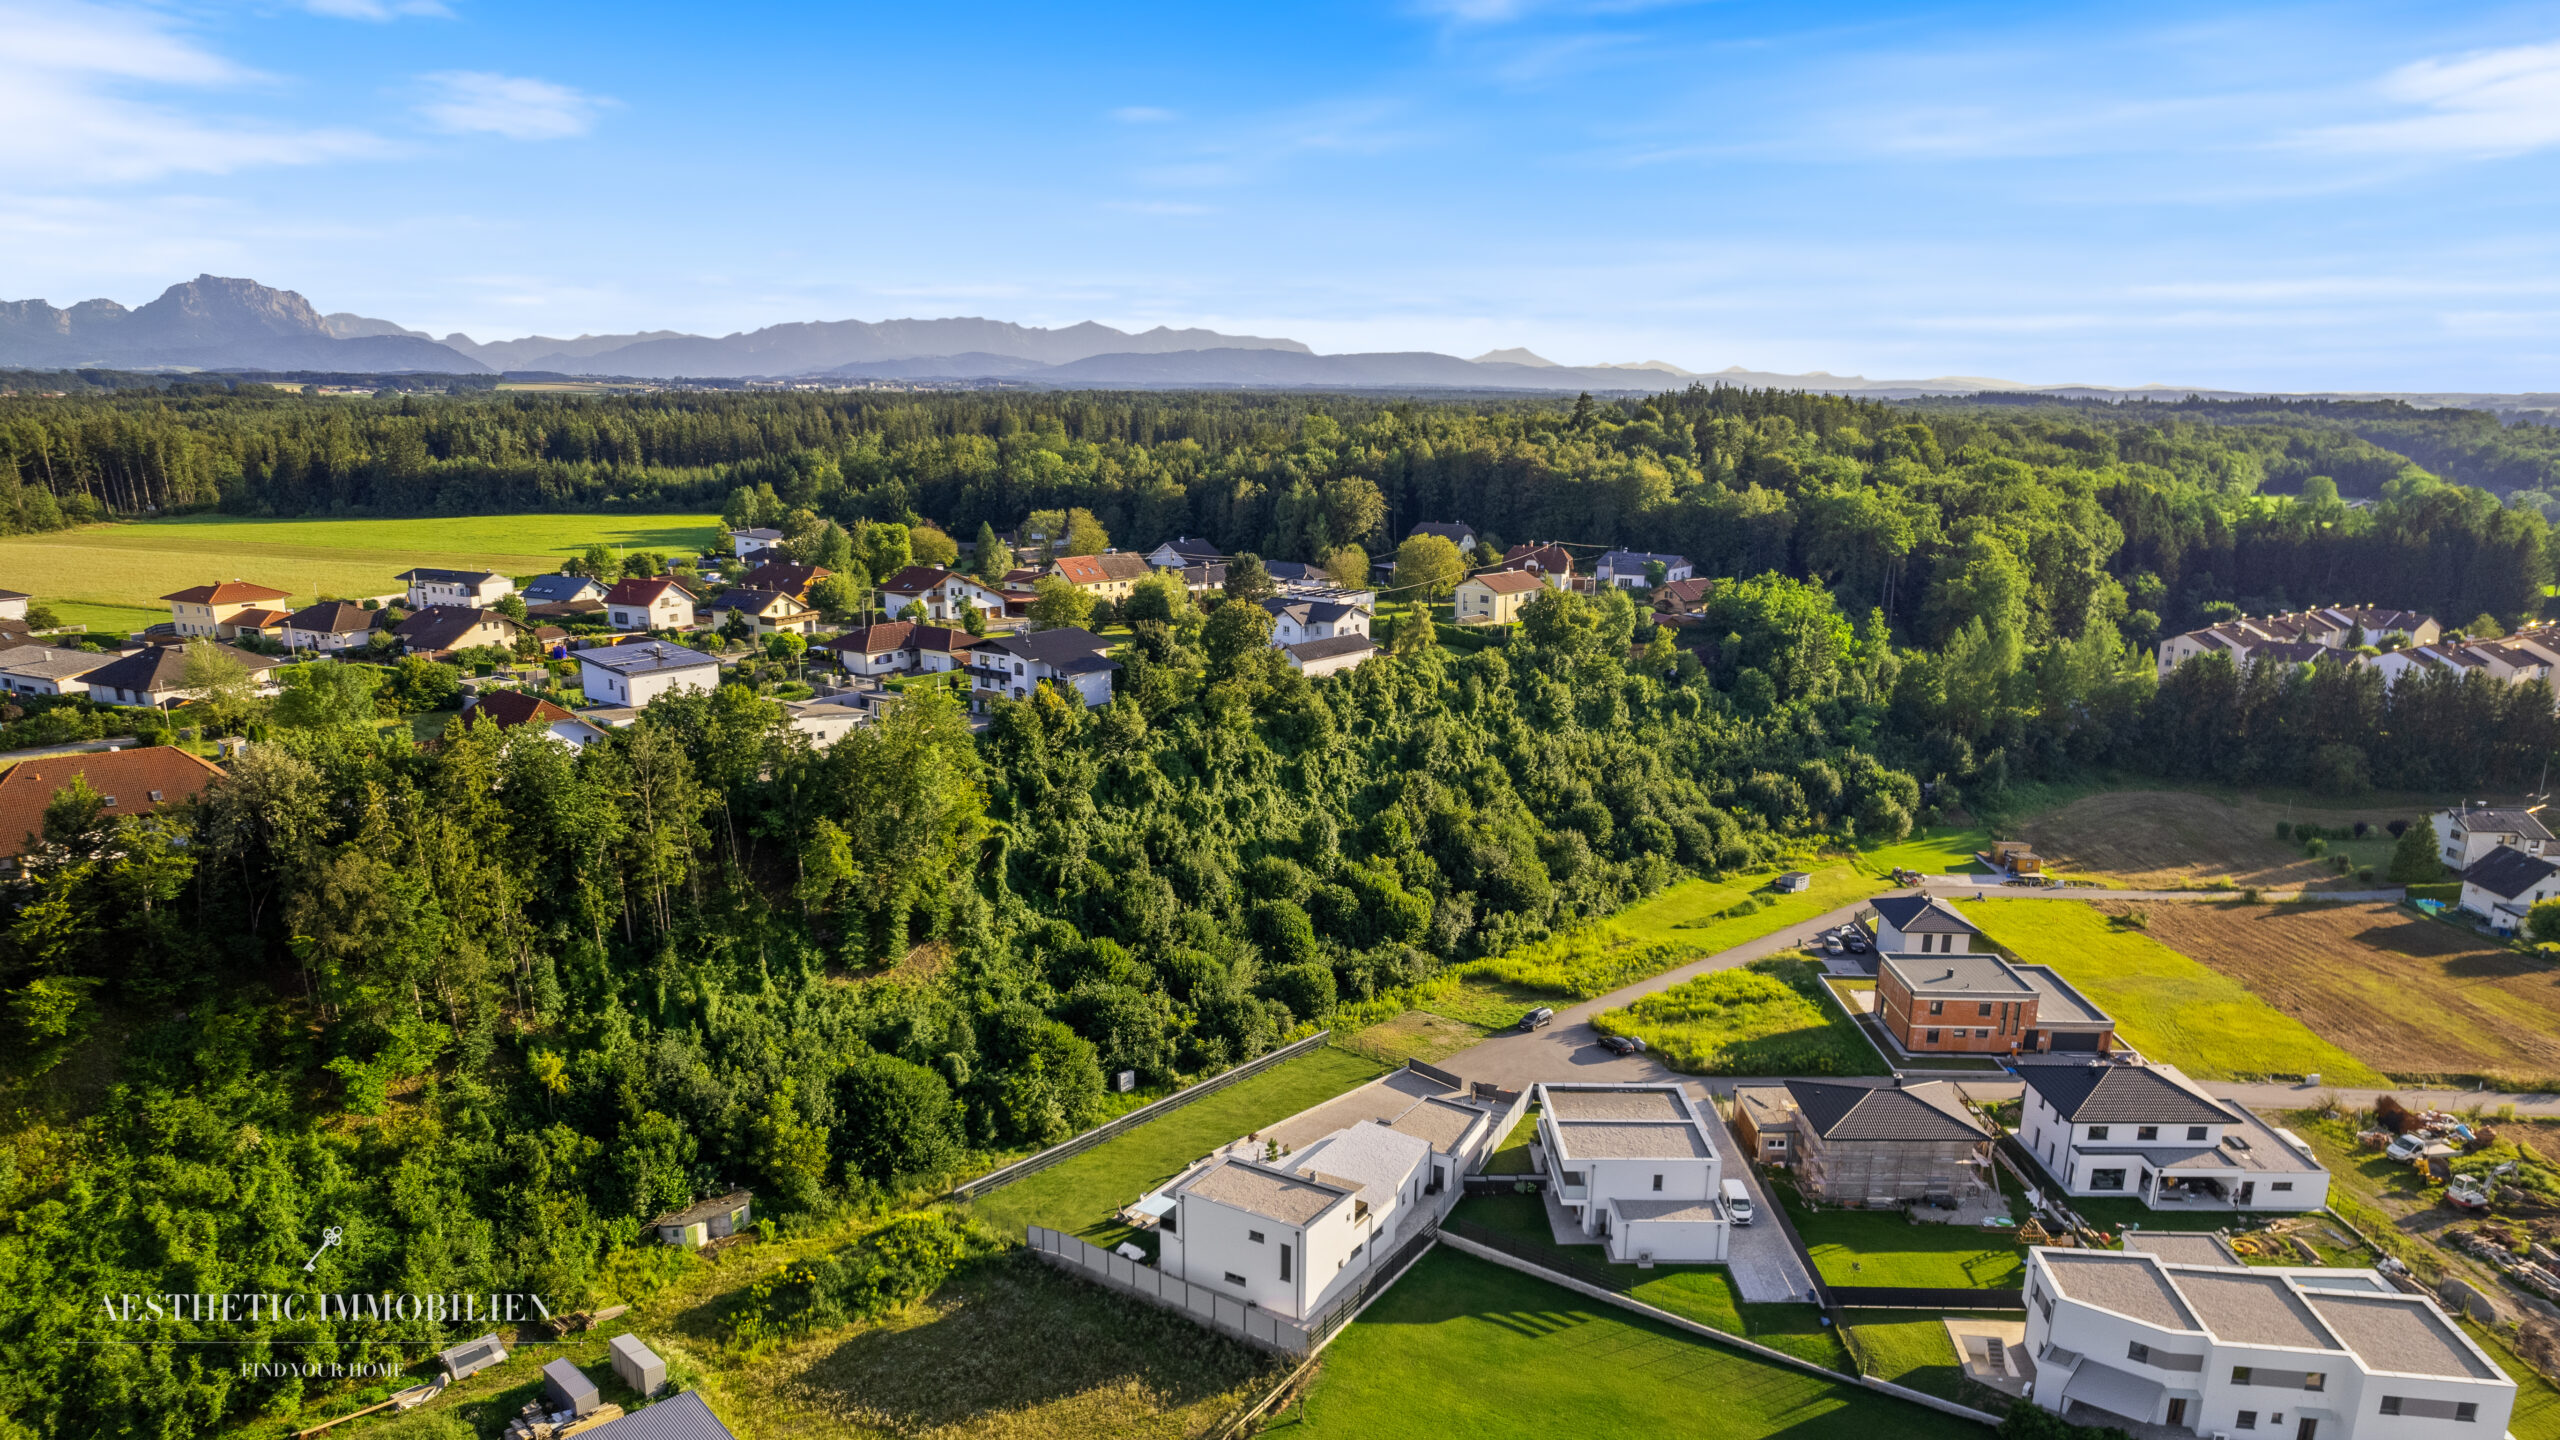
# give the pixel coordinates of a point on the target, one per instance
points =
(2063, 1040)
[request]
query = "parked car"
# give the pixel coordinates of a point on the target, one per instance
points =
(1857, 943)
(1831, 945)
(1623, 1044)
(1538, 1019)
(1737, 1203)
(2407, 1146)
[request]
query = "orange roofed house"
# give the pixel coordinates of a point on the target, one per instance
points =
(129, 782)
(216, 610)
(1105, 577)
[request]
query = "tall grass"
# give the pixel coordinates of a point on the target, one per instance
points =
(1584, 963)
(1768, 1018)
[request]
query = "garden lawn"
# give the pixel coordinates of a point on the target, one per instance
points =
(1462, 1346)
(2166, 1005)
(1767, 1018)
(1879, 1247)
(2537, 1412)
(1915, 1351)
(130, 566)
(1079, 1195)
(1938, 850)
(1511, 1157)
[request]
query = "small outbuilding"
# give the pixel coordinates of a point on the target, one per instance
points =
(704, 1221)
(638, 1366)
(566, 1387)
(472, 1356)
(1794, 882)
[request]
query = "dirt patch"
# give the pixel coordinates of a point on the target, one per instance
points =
(2165, 839)
(2409, 996)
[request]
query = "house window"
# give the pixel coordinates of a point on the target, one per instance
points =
(155, 797)
(1937, 1007)
(2465, 1411)
(2316, 1380)
(1355, 1251)
(1981, 1009)
(1254, 1235)
(2390, 1404)
(2195, 1132)
(2097, 1132)
(1933, 1037)
(1777, 1142)
(2137, 1351)
(2245, 1420)
(1573, 1177)
(108, 800)
(1284, 1262)
(1657, 1182)
(1235, 1279)
(2281, 1185)
(2239, 1374)
(2146, 1132)
(2106, 1179)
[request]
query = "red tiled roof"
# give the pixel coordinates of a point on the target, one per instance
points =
(130, 776)
(784, 577)
(915, 580)
(1101, 569)
(260, 619)
(873, 639)
(509, 708)
(643, 593)
(229, 592)
(1553, 559)
(1508, 582)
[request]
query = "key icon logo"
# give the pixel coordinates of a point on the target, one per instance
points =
(328, 1238)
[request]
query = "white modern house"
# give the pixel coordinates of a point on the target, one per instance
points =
(1071, 658)
(1294, 621)
(2466, 834)
(1923, 925)
(1628, 569)
(1291, 1235)
(2148, 1132)
(2235, 1351)
(1636, 1165)
(2503, 886)
(638, 673)
(478, 589)
(744, 543)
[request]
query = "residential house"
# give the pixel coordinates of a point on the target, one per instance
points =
(1966, 1004)
(657, 603)
(784, 577)
(1316, 659)
(2332, 630)
(640, 672)
(2456, 660)
(2147, 1132)
(562, 589)
(260, 622)
(1295, 620)
(2134, 1341)
(208, 610)
(2503, 886)
(329, 628)
(883, 649)
(1070, 657)
(444, 629)
(568, 612)
(1292, 1236)
(1296, 575)
(1201, 579)
(135, 781)
(939, 593)
(1182, 552)
(514, 709)
(828, 720)
(1461, 535)
(1682, 598)
(1923, 925)
(772, 612)
(13, 604)
(1637, 1166)
(1494, 597)
(2517, 663)
(46, 670)
(1552, 564)
(1632, 569)
(156, 675)
(475, 589)
(1105, 577)
(1876, 1146)
(743, 543)
(941, 648)
(2466, 833)
(704, 1221)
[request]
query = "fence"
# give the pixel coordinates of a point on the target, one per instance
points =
(1067, 1149)
(1220, 1311)
(1919, 1297)
(1435, 1075)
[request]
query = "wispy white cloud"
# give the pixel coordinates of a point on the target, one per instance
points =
(1143, 115)
(2485, 105)
(378, 11)
(516, 106)
(68, 111)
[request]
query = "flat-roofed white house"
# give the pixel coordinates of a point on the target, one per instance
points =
(2231, 1350)
(1636, 1165)
(478, 589)
(2147, 1131)
(640, 672)
(1293, 1235)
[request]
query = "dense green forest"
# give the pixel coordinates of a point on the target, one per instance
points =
(490, 1004)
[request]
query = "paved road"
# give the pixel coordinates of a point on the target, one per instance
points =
(1967, 886)
(118, 742)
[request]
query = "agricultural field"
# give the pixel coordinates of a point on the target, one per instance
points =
(112, 576)
(2166, 1005)
(2176, 839)
(2409, 996)
(1464, 1347)
(1080, 1195)
(1767, 1018)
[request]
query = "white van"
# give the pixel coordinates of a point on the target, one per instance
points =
(1737, 1202)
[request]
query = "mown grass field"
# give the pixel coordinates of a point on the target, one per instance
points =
(113, 576)
(1079, 1195)
(1879, 1247)
(1768, 1018)
(2351, 973)
(2167, 1005)
(1464, 1347)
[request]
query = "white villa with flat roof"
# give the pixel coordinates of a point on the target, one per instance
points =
(2231, 1350)
(1636, 1166)
(1290, 1235)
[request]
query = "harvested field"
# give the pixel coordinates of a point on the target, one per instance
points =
(2168, 839)
(2409, 996)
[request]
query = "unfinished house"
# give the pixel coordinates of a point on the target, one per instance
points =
(1889, 1146)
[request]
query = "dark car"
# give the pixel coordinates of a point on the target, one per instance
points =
(1537, 1019)
(1857, 943)
(1622, 1044)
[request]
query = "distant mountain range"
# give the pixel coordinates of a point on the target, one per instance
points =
(212, 323)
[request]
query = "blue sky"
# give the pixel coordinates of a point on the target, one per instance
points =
(2341, 196)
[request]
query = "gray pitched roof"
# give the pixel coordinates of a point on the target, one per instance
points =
(1924, 1113)
(1329, 647)
(451, 577)
(552, 589)
(2128, 1094)
(1923, 914)
(1054, 648)
(2507, 872)
(2502, 821)
(162, 668)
